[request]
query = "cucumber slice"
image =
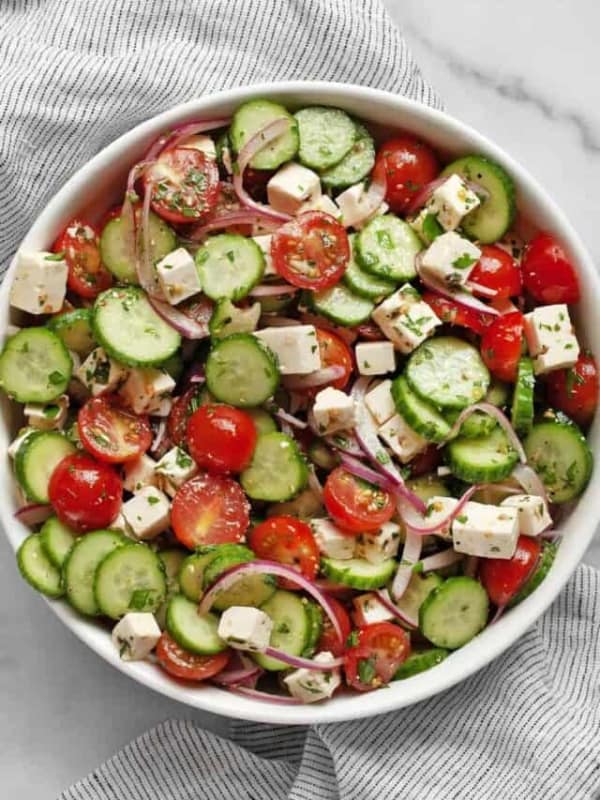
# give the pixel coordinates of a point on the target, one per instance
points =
(489, 458)
(130, 578)
(223, 560)
(498, 393)
(420, 415)
(74, 328)
(130, 330)
(358, 573)
(548, 554)
(263, 421)
(195, 633)
(191, 574)
(454, 612)
(387, 247)
(227, 319)
(275, 303)
(80, 567)
(292, 628)
(448, 372)
(326, 136)
(420, 661)
(277, 471)
(418, 590)
(37, 569)
(249, 590)
(558, 452)
(172, 560)
(477, 424)
(489, 221)
(428, 486)
(362, 282)
(522, 405)
(315, 619)
(355, 165)
(241, 371)
(115, 245)
(36, 460)
(35, 366)
(252, 117)
(57, 540)
(229, 266)
(341, 305)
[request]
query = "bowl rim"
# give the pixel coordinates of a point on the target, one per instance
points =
(494, 640)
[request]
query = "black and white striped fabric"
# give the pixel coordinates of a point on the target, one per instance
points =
(74, 75)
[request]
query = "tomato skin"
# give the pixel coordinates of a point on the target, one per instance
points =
(329, 640)
(188, 666)
(575, 390)
(548, 275)
(334, 352)
(497, 270)
(111, 433)
(221, 438)
(502, 578)
(501, 346)
(87, 275)
(409, 164)
(379, 650)
(355, 505)
(86, 494)
(183, 180)
(455, 314)
(181, 411)
(290, 541)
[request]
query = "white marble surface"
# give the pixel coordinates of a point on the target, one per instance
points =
(522, 71)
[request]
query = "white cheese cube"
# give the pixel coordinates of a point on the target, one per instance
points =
(368, 609)
(550, 338)
(450, 259)
(379, 546)
(18, 441)
(310, 685)
(324, 203)
(264, 242)
(245, 628)
(380, 402)
(438, 508)
(162, 407)
(532, 512)
(405, 319)
(48, 416)
(351, 204)
(333, 411)
(375, 358)
(40, 282)
(331, 541)
(418, 224)
(99, 373)
(295, 347)
(201, 142)
(120, 524)
(174, 469)
(139, 473)
(486, 531)
(402, 439)
(136, 635)
(291, 186)
(178, 276)
(145, 388)
(452, 201)
(147, 513)
(560, 355)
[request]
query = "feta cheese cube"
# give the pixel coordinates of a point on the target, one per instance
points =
(264, 242)
(309, 685)
(145, 388)
(402, 439)
(40, 282)
(405, 319)
(439, 508)
(368, 609)
(99, 373)
(18, 441)
(324, 203)
(178, 276)
(333, 411)
(295, 347)
(452, 201)
(375, 358)
(245, 628)
(351, 203)
(174, 469)
(560, 355)
(139, 473)
(379, 546)
(331, 541)
(450, 259)
(120, 524)
(291, 186)
(486, 531)
(532, 513)
(201, 142)
(550, 338)
(380, 402)
(147, 513)
(426, 226)
(48, 416)
(136, 635)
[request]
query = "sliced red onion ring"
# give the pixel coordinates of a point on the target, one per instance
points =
(530, 481)
(331, 587)
(410, 555)
(317, 378)
(374, 196)
(160, 435)
(241, 671)
(457, 295)
(243, 216)
(484, 290)
(423, 196)
(499, 612)
(34, 513)
(128, 211)
(445, 558)
(145, 269)
(256, 694)
(471, 566)
(418, 523)
(501, 419)
(290, 419)
(272, 289)
(173, 137)
(385, 600)
(356, 467)
(314, 484)
(186, 326)
(345, 443)
(303, 663)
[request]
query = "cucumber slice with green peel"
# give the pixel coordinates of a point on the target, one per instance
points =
(498, 393)
(326, 136)
(253, 116)
(341, 305)
(80, 567)
(428, 486)
(57, 540)
(559, 453)
(74, 328)
(263, 421)
(172, 560)
(454, 613)
(275, 303)
(489, 221)
(522, 406)
(358, 573)
(191, 574)
(115, 245)
(420, 661)
(488, 458)
(249, 590)
(277, 471)
(229, 266)
(355, 165)
(227, 319)
(293, 627)
(363, 283)
(322, 455)
(420, 415)
(315, 617)
(37, 569)
(241, 371)
(387, 247)
(130, 578)
(548, 554)
(130, 330)
(419, 588)
(223, 560)
(36, 460)
(35, 366)
(195, 633)
(476, 424)
(448, 372)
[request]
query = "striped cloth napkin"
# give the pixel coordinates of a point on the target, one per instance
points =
(75, 75)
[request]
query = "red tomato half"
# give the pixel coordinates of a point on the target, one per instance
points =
(329, 640)
(185, 185)
(497, 270)
(334, 352)
(575, 390)
(86, 494)
(502, 578)
(409, 164)
(210, 509)
(221, 438)
(355, 505)
(181, 411)
(181, 664)
(87, 275)
(373, 661)
(548, 274)
(501, 346)
(289, 541)
(311, 251)
(455, 314)
(111, 433)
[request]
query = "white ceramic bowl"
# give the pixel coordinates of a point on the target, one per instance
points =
(100, 183)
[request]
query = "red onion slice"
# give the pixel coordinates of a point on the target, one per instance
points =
(484, 290)
(317, 378)
(501, 419)
(145, 269)
(128, 211)
(241, 671)
(186, 326)
(34, 514)
(256, 694)
(445, 558)
(385, 600)
(345, 443)
(374, 196)
(272, 290)
(241, 217)
(418, 523)
(531, 482)
(360, 470)
(457, 295)
(314, 484)
(499, 612)
(410, 555)
(160, 435)
(180, 132)
(424, 194)
(291, 420)
(303, 663)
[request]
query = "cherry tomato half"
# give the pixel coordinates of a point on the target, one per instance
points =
(497, 270)
(355, 505)
(86, 494)
(210, 509)
(111, 433)
(548, 274)
(575, 390)
(409, 164)
(329, 640)
(311, 251)
(221, 438)
(180, 413)
(502, 578)
(455, 314)
(334, 352)
(87, 275)
(379, 650)
(290, 541)
(501, 346)
(182, 664)
(185, 185)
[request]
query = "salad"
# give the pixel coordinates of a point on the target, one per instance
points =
(302, 414)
